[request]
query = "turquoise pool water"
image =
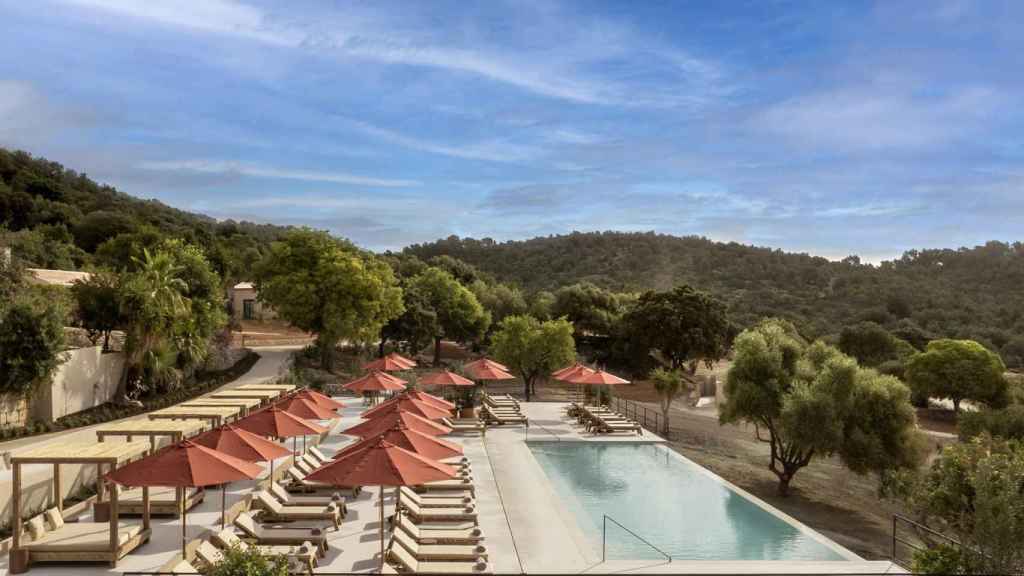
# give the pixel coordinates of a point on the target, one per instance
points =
(670, 502)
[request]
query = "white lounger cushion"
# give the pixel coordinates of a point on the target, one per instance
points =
(83, 537)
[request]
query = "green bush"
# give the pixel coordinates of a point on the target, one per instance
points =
(1006, 423)
(249, 561)
(31, 341)
(941, 559)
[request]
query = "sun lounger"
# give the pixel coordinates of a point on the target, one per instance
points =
(419, 514)
(608, 426)
(287, 499)
(502, 418)
(209, 554)
(318, 454)
(404, 561)
(441, 535)
(500, 399)
(451, 502)
(300, 484)
(277, 511)
(280, 535)
(304, 554)
(163, 501)
(179, 567)
(460, 484)
(432, 552)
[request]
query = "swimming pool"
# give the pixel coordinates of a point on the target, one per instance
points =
(671, 502)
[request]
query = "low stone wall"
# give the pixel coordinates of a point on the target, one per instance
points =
(86, 379)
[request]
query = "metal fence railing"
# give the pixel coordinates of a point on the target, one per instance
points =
(912, 540)
(650, 418)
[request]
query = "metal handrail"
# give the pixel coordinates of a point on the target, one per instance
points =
(896, 518)
(604, 538)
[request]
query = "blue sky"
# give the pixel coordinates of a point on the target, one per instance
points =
(826, 127)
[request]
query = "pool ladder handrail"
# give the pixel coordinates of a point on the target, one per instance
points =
(604, 538)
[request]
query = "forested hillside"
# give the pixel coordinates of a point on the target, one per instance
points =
(973, 293)
(52, 217)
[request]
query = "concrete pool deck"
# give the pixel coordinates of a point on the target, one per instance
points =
(527, 526)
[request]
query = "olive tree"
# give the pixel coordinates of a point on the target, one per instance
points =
(686, 327)
(98, 305)
(328, 287)
(532, 348)
(458, 314)
(810, 401)
(958, 370)
(668, 384)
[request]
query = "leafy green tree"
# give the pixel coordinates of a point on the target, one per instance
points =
(460, 317)
(541, 305)
(958, 370)
(152, 306)
(533, 348)
(12, 276)
(98, 305)
(872, 345)
(685, 326)
(812, 401)
(99, 226)
(668, 384)
(249, 561)
(1013, 352)
(31, 344)
(417, 324)
(500, 300)
(592, 310)
(328, 287)
(973, 493)
(124, 251)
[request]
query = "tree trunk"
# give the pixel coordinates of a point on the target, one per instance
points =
(106, 341)
(784, 480)
(380, 348)
(956, 405)
(528, 384)
(437, 351)
(326, 356)
(665, 426)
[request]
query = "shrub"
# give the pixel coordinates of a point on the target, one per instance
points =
(31, 340)
(1006, 423)
(249, 561)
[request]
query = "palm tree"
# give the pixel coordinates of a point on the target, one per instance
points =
(153, 304)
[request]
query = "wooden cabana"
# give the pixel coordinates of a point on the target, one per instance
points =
(246, 404)
(78, 541)
(283, 388)
(162, 501)
(217, 415)
(177, 430)
(264, 396)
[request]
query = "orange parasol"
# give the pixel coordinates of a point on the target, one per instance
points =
(384, 464)
(185, 464)
(487, 369)
(485, 362)
(445, 378)
(387, 420)
(391, 363)
(375, 381)
(402, 435)
(319, 399)
(278, 423)
(565, 373)
(407, 403)
(306, 409)
(244, 445)
(600, 377)
(430, 399)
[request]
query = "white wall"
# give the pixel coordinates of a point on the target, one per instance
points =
(86, 379)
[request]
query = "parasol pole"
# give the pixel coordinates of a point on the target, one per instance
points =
(382, 528)
(184, 524)
(223, 505)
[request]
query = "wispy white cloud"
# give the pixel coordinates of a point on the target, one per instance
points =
(870, 209)
(491, 150)
(256, 171)
(880, 117)
(563, 71)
